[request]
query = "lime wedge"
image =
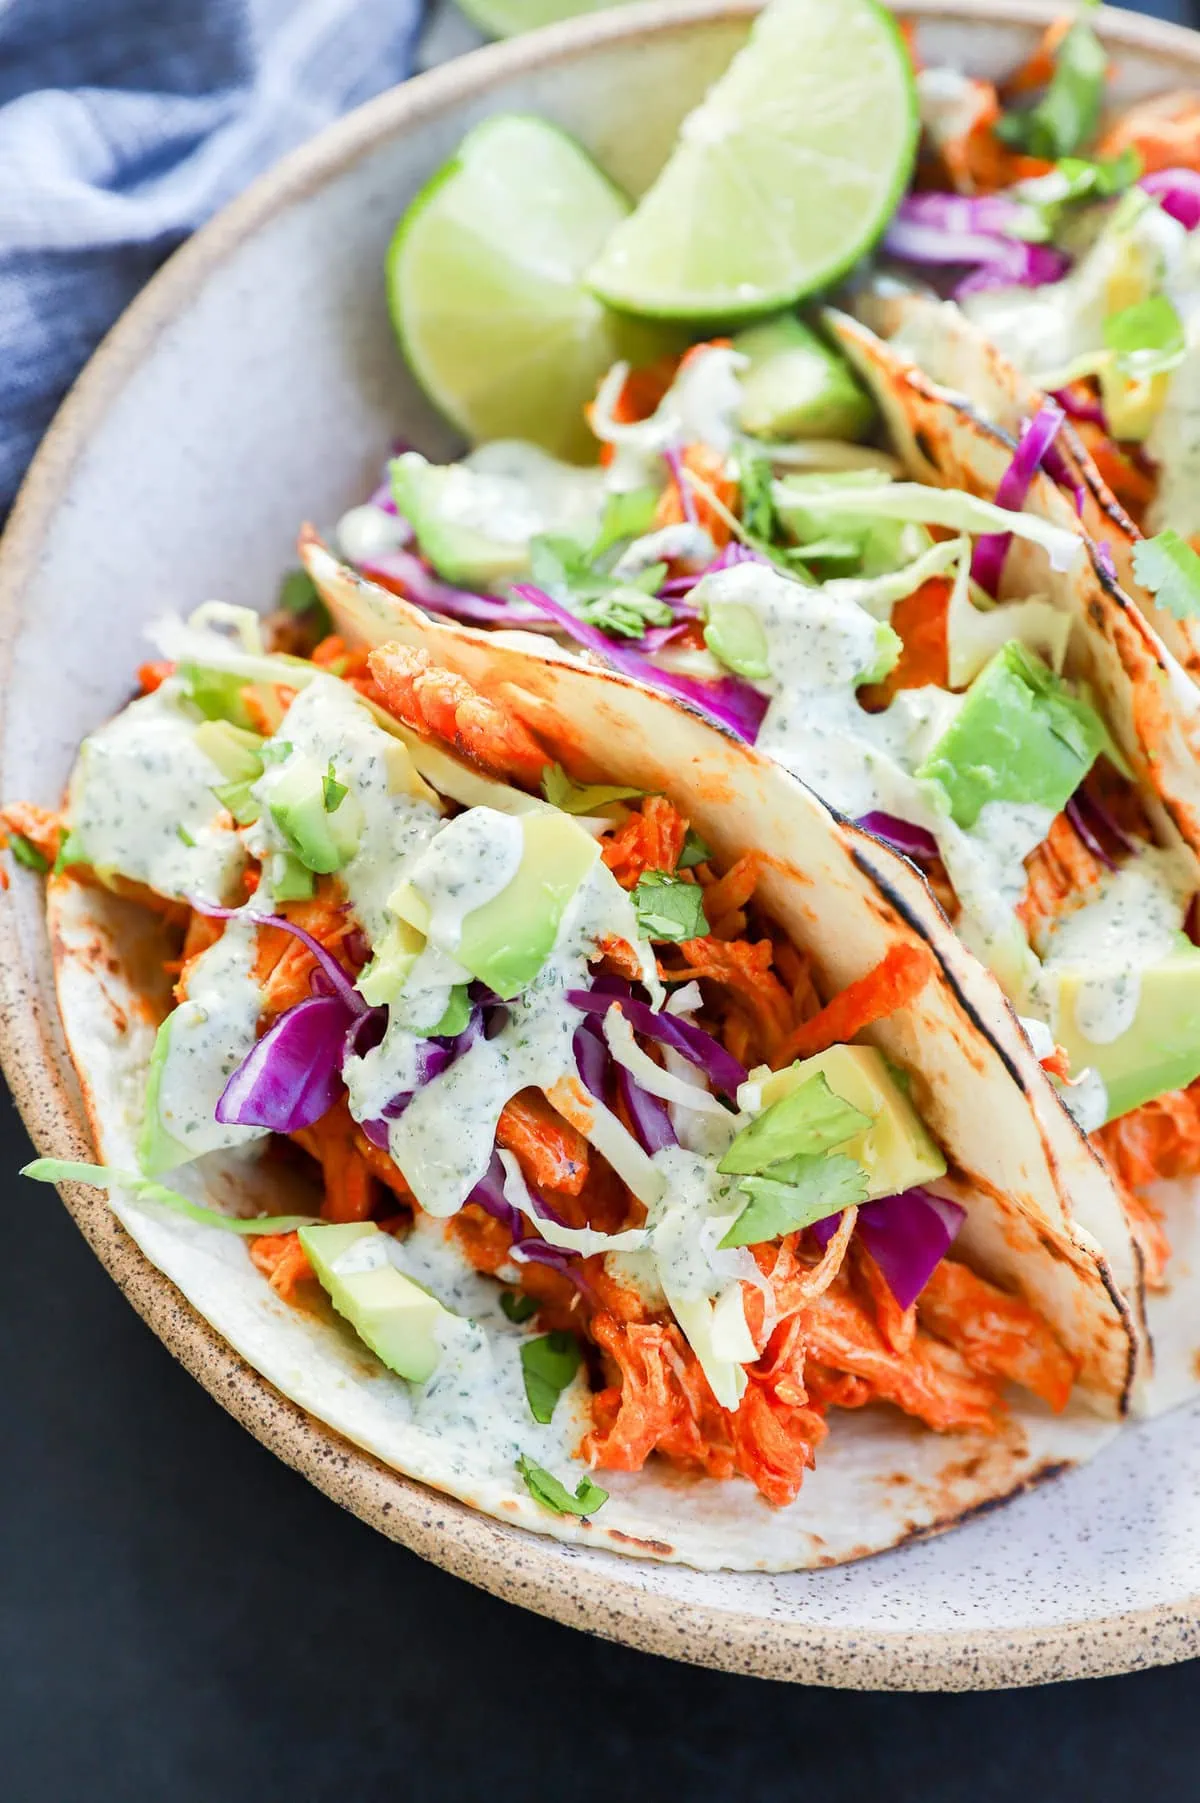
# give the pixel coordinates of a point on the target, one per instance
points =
(484, 285)
(784, 175)
(504, 18)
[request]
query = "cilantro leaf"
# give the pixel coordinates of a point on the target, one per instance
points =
(548, 1364)
(695, 851)
(756, 503)
(626, 515)
(1170, 569)
(1146, 338)
(27, 853)
(333, 793)
(808, 1119)
(239, 801)
(668, 907)
(275, 751)
(795, 1193)
(1066, 117)
(545, 1488)
(516, 1306)
(621, 609)
(70, 852)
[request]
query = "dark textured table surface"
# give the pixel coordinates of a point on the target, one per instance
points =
(183, 1618)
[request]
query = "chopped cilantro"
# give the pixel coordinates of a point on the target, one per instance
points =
(517, 1307)
(669, 907)
(185, 836)
(627, 515)
(621, 609)
(298, 595)
(695, 851)
(548, 1364)
(1170, 569)
(808, 1119)
(27, 853)
(795, 1193)
(333, 793)
(275, 751)
(545, 1488)
(1066, 117)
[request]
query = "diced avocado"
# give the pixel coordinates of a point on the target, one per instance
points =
(888, 646)
(797, 386)
(734, 634)
(896, 1150)
(1019, 735)
(1159, 1051)
(429, 495)
(801, 1120)
(454, 1018)
(396, 953)
(236, 753)
(506, 941)
(158, 1150)
(288, 878)
(395, 1316)
(321, 824)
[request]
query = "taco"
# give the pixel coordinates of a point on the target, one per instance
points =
(650, 1166)
(1063, 233)
(965, 679)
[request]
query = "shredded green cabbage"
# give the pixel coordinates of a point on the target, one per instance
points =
(101, 1176)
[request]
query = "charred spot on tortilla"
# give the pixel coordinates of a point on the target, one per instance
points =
(897, 901)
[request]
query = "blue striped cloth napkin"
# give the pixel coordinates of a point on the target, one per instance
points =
(123, 125)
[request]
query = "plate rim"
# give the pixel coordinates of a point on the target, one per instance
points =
(535, 1572)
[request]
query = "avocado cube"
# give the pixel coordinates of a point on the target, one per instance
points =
(506, 941)
(425, 495)
(1158, 1051)
(1019, 735)
(897, 1150)
(395, 1316)
(797, 386)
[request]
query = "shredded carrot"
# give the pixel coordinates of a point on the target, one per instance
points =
(921, 621)
(709, 466)
(976, 161)
(283, 1262)
(997, 1334)
(895, 981)
(897, 1325)
(1056, 1064)
(726, 898)
(1038, 70)
(1165, 132)
(651, 839)
(151, 676)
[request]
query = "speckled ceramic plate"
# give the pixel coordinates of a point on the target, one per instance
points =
(255, 383)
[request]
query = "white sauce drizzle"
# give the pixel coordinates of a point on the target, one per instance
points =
(211, 1032)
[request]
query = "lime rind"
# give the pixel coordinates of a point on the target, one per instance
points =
(776, 187)
(484, 286)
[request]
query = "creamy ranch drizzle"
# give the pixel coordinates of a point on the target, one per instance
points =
(140, 785)
(1134, 922)
(326, 723)
(211, 1032)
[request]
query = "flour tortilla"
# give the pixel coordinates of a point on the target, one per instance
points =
(1040, 1206)
(953, 352)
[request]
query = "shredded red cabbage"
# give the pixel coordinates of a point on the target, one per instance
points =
(1075, 814)
(1037, 435)
(1059, 472)
(404, 573)
(912, 841)
(730, 701)
(1075, 407)
(488, 1194)
(291, 1077)
(1177, 191)
(733, 553)
(649, 1115)
(700, 1048)
(342, 983)
(592, 1060)
(1090, 818)
(972, 232)
(907, 1236)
